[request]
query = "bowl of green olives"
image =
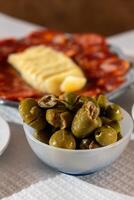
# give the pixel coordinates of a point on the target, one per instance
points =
(76, 134)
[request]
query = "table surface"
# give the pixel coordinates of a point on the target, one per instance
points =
(14, 173)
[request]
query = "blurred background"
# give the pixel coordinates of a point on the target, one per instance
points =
(102, 16)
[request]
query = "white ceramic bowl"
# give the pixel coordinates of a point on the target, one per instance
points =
(78, 162)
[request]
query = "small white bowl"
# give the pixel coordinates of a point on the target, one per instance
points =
(80, 162)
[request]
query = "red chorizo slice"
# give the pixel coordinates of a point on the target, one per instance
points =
(12, 86)
(88, 39)
(41, 37)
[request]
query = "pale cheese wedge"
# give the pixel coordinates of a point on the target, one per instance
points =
(72, 83)
(47, 70)
(53, 84)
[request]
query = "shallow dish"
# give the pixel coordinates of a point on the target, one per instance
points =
(4, 135)
(129, 81)
(78, 162)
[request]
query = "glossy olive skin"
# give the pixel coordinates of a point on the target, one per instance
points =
(85, 121)
(25, 108)
(85, 99)
(58, 118)
(39, 123)
(42, 136)
(69, 100)
(113, 112)
(31, 113)
(105, 135)
(99, 122)
(63, 139)
(102, 101)
(115, 125)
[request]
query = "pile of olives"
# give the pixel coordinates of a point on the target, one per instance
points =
(71, 121)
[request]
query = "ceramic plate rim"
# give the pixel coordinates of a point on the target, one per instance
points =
(6, 135)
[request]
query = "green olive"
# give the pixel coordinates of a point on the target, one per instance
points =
(42, 136)
(85, 121)
(105, 135)
(25, 108)
(115, 125)
(39, 123)
(70, 99)
(113, 112)
(84, 99)
(63, 139)
(48, 101)
(32, 114)
(58, 118)
(99, 122)
(102, 101)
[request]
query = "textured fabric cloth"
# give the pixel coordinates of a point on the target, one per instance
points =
(66, 187)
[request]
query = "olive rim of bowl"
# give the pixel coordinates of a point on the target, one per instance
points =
(83, 150)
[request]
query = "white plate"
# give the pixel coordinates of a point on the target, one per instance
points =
(4, 135)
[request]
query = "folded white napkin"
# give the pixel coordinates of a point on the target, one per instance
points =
(64, 187)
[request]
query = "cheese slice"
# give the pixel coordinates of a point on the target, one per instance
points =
(72, 83)
(47, 70)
